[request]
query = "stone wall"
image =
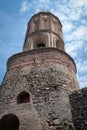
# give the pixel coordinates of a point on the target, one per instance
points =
(78, 102)
(38, 82)
(27, 115)
(48, 84)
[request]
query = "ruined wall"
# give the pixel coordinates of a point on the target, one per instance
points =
(39, 80)
(27, 115)
(78, 102)
(48, 88)
(48, 84)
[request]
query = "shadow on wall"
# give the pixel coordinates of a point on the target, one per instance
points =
(9, 122)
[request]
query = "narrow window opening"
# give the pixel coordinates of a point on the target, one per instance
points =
(40, 45)
(58, 45)
(23, 97)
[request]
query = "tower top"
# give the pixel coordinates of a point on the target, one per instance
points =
(46, 13)
(44, 30)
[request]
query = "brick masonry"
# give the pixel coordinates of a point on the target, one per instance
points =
(48, 83)
(39, 83)
(39, 56)
(78, 101)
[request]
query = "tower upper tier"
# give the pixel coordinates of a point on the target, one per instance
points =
(44, 30)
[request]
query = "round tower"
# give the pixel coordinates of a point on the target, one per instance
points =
(39, 80)
(44, 30)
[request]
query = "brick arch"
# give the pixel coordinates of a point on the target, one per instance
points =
(36, 41)
(58, 43)
(40, 41)
(23, 97)
(9, 122)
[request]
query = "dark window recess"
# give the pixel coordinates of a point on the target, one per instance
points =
(23, 97)
(9, 122)
(40, 45)
(59, 45)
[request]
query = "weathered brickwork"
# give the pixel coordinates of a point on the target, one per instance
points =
(44, 29)
(27, 115)
(36, 87)
(48, 84)
(78, 102)
(39, 56)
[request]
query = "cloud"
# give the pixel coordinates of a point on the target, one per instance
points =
(42, 5)
(81, 2)
(80, 33)
(82, 72)
(67, 27)
(78, 3)
(36, 5)
(84, 22)
(73, 48)
(44, 1)
(82, 79)
(85, 49)
(82, 66)
(25, 6)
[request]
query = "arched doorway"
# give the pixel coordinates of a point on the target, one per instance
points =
(9, 122)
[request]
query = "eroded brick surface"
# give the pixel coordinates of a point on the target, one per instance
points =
(39, 80)
(78, 102)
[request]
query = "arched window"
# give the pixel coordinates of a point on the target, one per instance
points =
(9, 122)
(23, 97)
(40, 41)
(59, 44)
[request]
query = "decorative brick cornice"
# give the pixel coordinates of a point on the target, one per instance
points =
(46, 13)
(38, 55)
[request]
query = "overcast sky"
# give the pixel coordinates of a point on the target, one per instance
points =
(15, 14)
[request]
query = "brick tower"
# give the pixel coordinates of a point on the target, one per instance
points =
(34, 94)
